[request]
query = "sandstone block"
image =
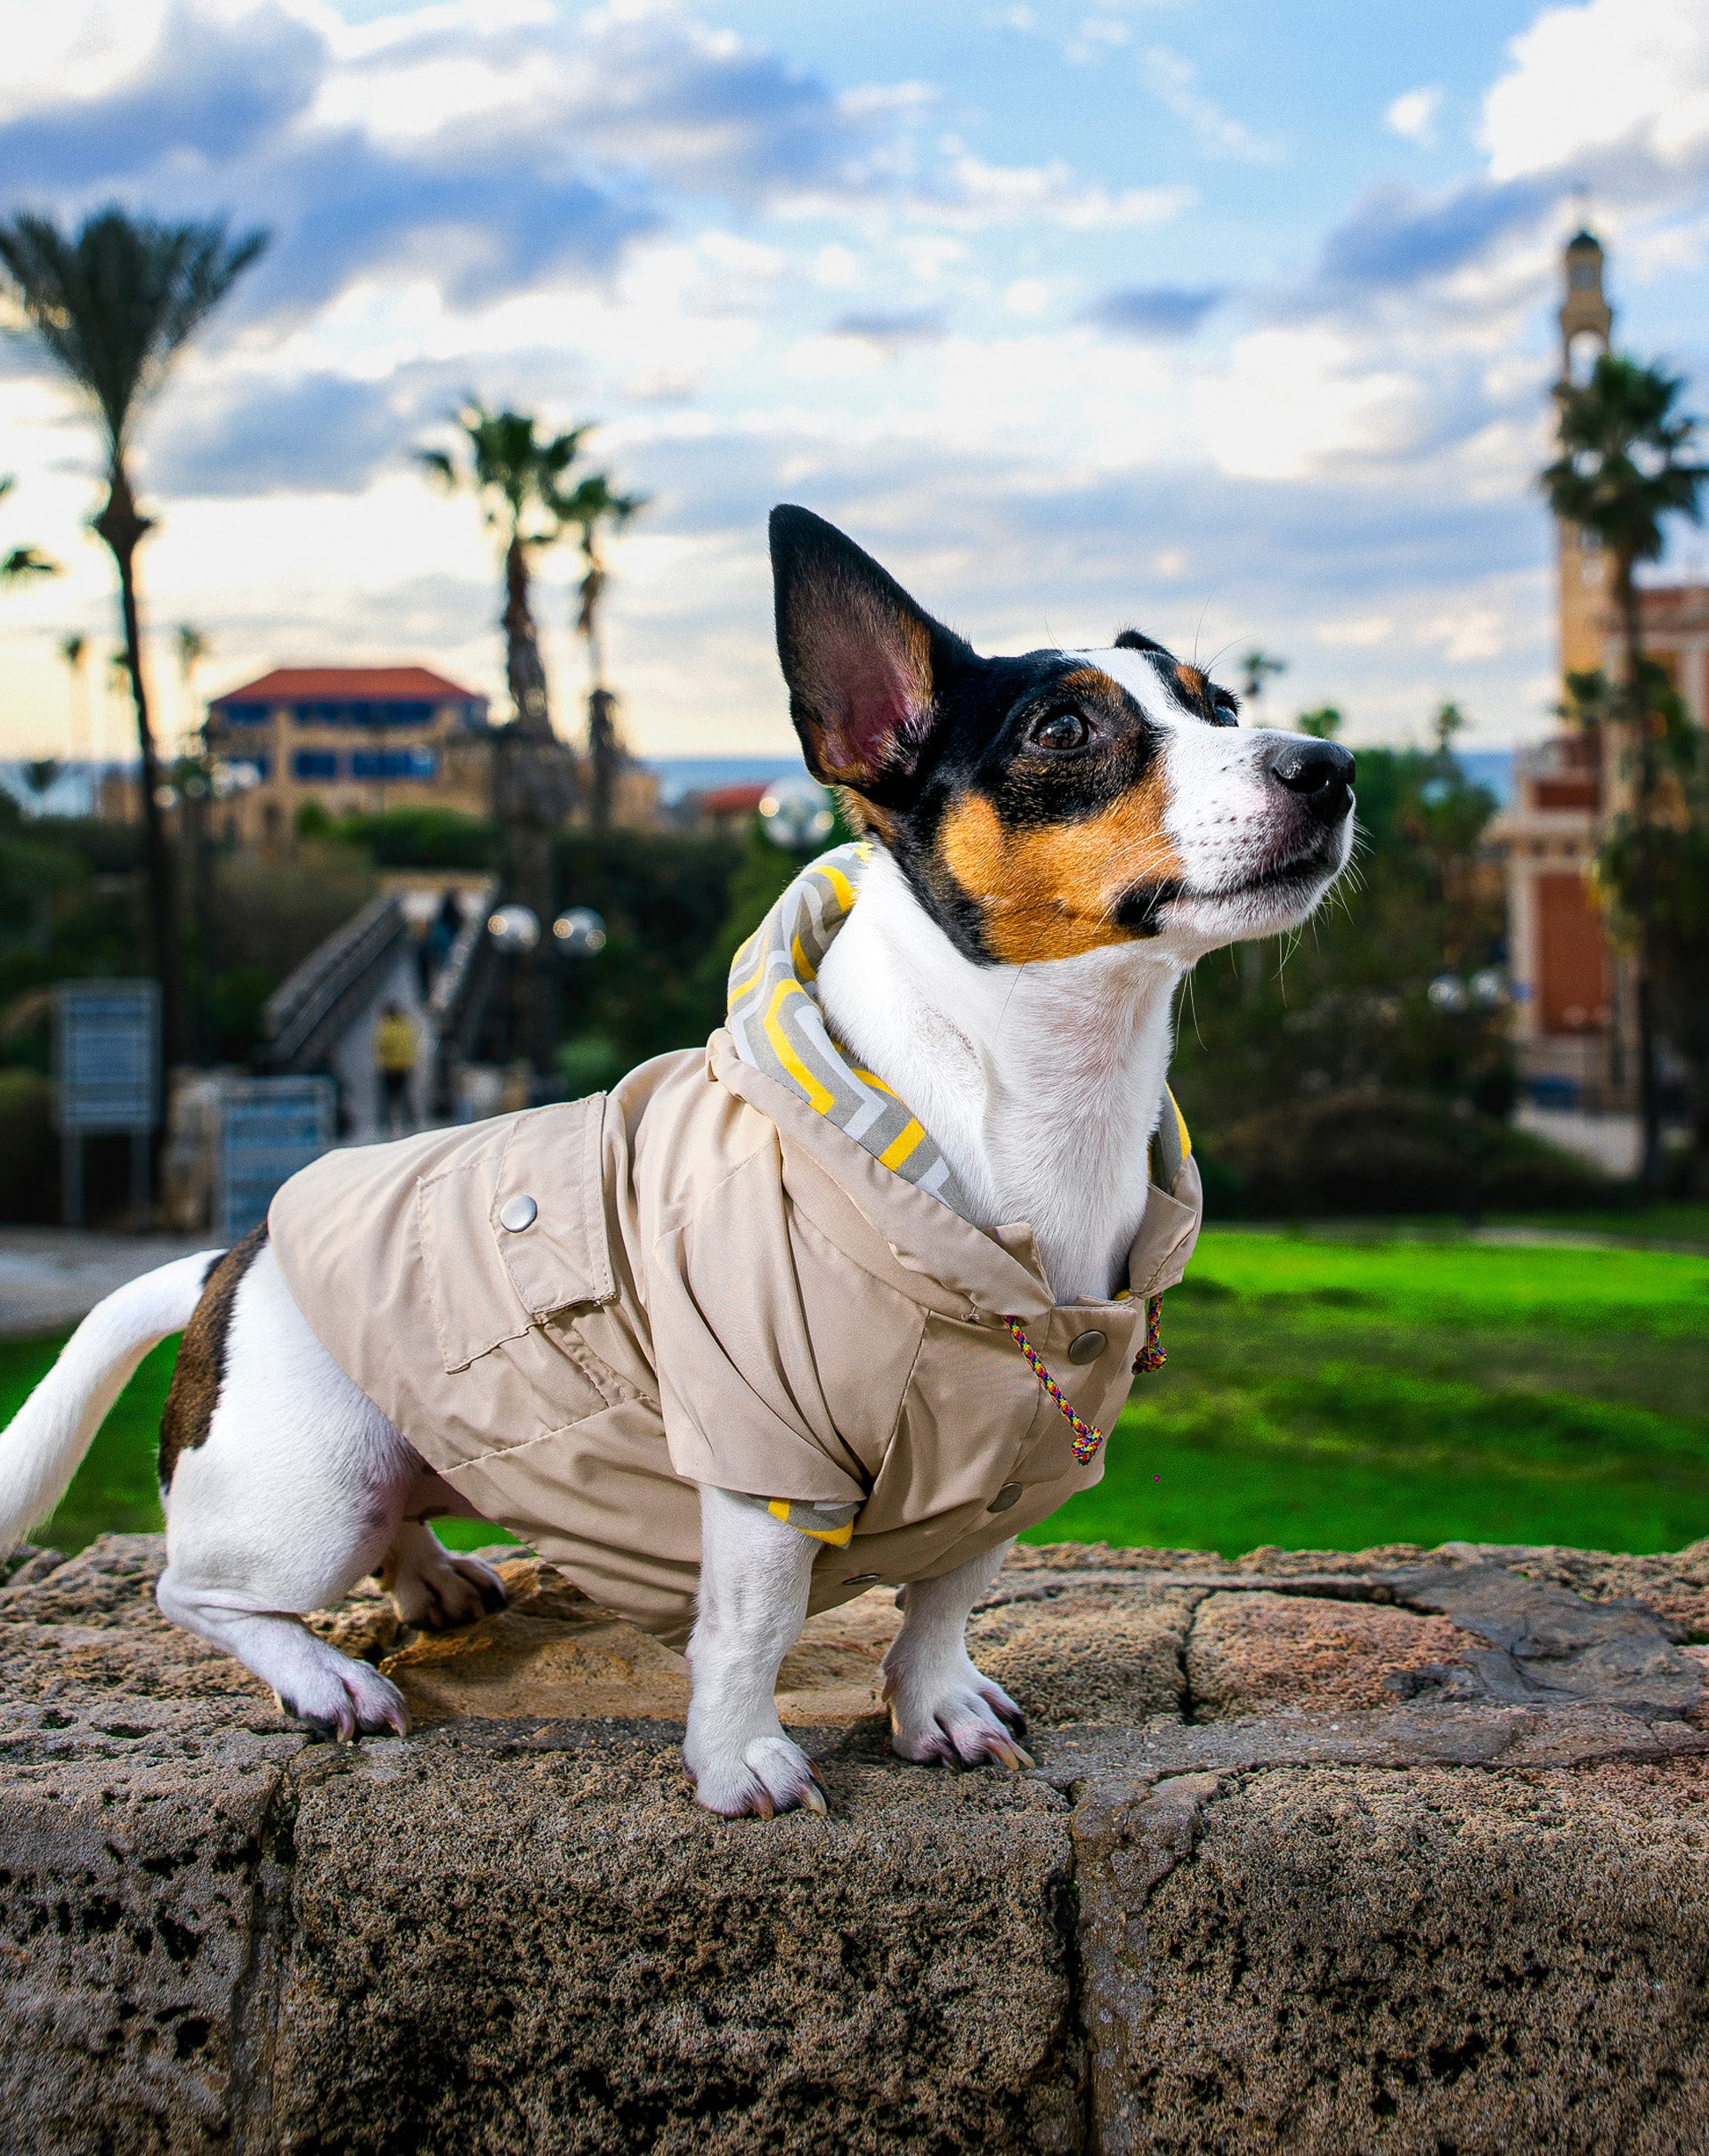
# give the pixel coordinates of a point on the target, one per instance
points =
(543, 1944)
(1400, 1851)
(1341, 1960)
(1264, 1654)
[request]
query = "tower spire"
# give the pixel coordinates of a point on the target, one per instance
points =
(1586, 319)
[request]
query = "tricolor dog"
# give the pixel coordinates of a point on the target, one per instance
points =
(847, 1295)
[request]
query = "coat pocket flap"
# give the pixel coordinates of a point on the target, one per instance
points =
(491, 1281)
(554, 1246)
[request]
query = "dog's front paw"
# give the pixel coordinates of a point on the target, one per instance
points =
(343, 1698)
(757, 1780)
(956, 1716)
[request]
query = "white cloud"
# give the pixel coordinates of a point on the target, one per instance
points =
(977, 193)
(1616, 75)
(1096, 37)
(1291, 403)
(1470, 633)
(1173, 81)
(837, 269)
(1412, 115)
(1357, 633)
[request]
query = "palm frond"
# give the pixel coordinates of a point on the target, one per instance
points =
(24, 563)
(115, 301)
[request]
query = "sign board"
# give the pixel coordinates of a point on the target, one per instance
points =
(107, 1056)
(269, 1129)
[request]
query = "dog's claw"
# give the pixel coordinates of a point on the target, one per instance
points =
(1011, 1754)
(813, 1797)
(765, 1807)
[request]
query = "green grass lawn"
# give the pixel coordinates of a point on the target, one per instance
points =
(1324, 1391)
(1329, 1392)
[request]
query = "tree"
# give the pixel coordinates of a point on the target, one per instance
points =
(1256, 669)
(191, 647)
(1323, 723)
(23, 564)
(1449, 721)
(1625, 464)
(590, 505)
(74, 649)
(114, 303)
(515, 473)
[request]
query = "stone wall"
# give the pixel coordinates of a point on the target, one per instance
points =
(1400, 1851)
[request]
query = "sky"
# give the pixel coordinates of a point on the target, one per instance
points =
(1227, 321)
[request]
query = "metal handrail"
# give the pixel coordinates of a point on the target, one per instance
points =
(453, 977)
(311, 1000)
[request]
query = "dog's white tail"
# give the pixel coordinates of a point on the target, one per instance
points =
(48, 1437)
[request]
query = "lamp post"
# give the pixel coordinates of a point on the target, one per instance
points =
(796, 813)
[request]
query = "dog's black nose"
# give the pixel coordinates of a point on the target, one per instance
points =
(1320, 772)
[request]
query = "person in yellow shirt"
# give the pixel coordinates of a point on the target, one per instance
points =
(394, 1051)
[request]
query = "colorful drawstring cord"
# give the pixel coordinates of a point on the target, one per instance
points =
(1151, 1356)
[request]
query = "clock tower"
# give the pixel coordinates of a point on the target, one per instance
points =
(1585, 320)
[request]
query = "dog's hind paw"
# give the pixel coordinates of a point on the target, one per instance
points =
(438, 1588)
(966, 1721)
(768, 1776)
(348, 1700)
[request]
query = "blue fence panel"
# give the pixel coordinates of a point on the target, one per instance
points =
(270, 1128)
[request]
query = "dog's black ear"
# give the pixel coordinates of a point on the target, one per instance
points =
(864, 664)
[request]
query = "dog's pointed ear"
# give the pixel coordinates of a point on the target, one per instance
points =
(863, 663)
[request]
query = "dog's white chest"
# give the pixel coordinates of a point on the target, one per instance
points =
(1040, 1085)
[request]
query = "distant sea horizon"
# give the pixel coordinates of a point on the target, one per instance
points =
(72, 790)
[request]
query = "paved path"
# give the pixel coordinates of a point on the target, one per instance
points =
(52, 1276)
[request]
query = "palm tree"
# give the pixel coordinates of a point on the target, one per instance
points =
(1256, 667)
(515, 474)
(588, 506)
(114, 303)
(23, 564)
(74, 649)
(191, 647)
(1625, 464)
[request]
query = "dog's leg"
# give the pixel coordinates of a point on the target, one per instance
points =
(754, 1572)
(941, 1706)
(289, 1486)
(434, 1586)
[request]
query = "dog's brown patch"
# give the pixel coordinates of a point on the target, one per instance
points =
(1089, 681)
(862, 817)
(200, 1371)
(1193, 681)
(1052, 890)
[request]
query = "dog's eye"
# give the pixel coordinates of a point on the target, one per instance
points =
(1060, 731)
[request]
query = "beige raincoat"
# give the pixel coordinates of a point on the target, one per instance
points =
(714, 1283)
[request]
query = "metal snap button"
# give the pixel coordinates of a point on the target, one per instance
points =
(1005, 1497)
(1087, 1347)
(517, 1213)
(860, 1579)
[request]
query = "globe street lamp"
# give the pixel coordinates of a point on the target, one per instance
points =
(796, 813)
(580, 933)
(514, 929)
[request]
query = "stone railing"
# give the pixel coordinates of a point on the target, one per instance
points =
(1403, 1851)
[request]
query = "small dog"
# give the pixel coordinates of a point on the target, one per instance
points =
(766, 1333)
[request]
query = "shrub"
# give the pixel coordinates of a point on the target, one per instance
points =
(420, 837)
(1372, 1152)
(29, 1153)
